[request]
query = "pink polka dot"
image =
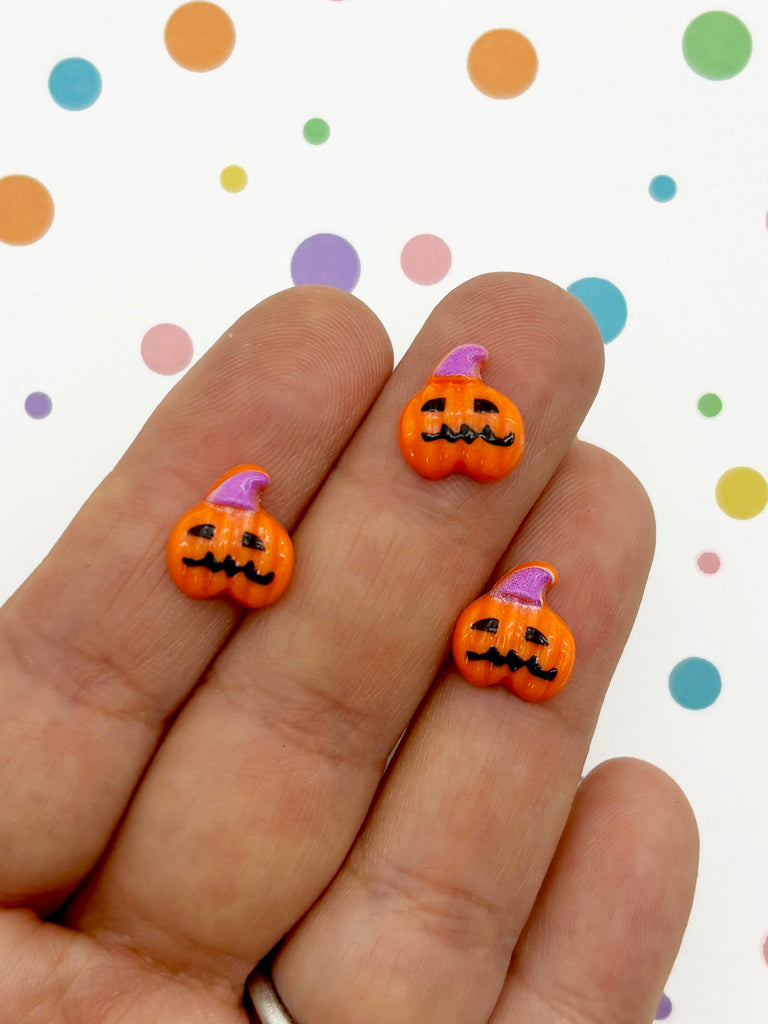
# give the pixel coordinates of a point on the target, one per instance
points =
(166, 348)
(765, 949)
(708, 562)
(426, 259)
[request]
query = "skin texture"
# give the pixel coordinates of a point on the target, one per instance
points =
(184, 785)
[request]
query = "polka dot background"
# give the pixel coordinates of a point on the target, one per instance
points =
(26, 209)
(75, 84)
(425, 259)
(157, 181)
(199, 36)
(166, 349)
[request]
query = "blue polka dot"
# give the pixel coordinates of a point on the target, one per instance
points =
(695, 683)
(75, 84)
(663, 188)
(605, 302)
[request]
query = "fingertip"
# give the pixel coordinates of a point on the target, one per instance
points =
(317, 326)
(538, 313)
(647, 807)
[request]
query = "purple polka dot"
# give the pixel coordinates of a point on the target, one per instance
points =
(38, 405)
(665, 1008)
(326, 259)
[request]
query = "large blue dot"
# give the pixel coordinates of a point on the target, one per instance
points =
(605, 302)
(695, 683)
(75, 84)
(663, 188)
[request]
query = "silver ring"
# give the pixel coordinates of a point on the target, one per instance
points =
(266, 1003)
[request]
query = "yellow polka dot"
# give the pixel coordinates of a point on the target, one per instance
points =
(26, 209)
(199, 36)
(502, 63)
(233, 178)
(742, 492)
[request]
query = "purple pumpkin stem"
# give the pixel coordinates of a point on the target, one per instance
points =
(241, 490)
(527, 586)
(464, 361)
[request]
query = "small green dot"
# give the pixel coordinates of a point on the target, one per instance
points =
(717, 45)
(316, 131)
(710, 404)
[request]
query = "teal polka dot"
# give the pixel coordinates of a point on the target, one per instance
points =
(710, 405)
(662, 188)
(605, 302)
(75, 84)
(317, 131)
(695, 683)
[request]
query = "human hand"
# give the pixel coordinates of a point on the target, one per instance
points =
(181, 785)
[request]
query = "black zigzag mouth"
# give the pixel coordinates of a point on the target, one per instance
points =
(230, 568)
(513, 662)
(469, 436)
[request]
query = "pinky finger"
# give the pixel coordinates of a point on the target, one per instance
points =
(605, 930)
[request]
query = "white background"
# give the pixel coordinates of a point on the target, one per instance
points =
(554, 182)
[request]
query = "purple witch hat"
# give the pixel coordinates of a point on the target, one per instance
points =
(241, 490)
(464, 361)
(526, 584)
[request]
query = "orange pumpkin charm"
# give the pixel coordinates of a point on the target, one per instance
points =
(510, 636)
(229, 545)
(458, 424)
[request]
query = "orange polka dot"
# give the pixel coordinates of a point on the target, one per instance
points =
(502, 63)
(199, 36)
(26, 209)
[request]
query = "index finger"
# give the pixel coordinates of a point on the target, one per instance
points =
(97, 648)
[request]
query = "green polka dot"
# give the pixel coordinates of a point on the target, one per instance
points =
(717, 45)
(710, 405)
(742, 492)
(317, 131)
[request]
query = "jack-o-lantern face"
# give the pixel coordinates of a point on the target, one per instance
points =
(458, 424)
(229, 545)
(510, 636)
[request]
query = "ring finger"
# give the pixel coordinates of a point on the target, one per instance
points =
(421, 922)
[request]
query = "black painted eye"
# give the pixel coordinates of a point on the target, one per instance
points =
(483, 405)
(434, 405)
(204, 530)
(250, 540)
(536, 637)
(487, 625)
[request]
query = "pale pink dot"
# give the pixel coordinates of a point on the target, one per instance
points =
(708, 562)
(166, 348)
(765, 949)
(426, 259)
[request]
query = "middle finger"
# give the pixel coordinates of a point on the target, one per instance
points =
(263, 783)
